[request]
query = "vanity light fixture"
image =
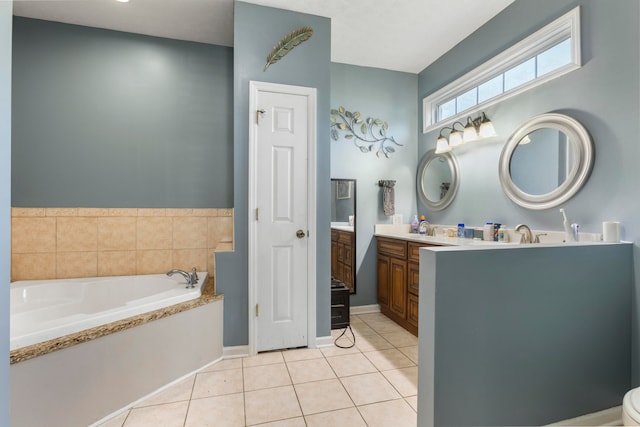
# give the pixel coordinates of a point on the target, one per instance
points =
(475, 129)
(122, 1)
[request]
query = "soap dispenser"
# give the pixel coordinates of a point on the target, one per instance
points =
(415, 224)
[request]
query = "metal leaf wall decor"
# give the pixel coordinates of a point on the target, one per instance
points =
(367, 134)
(288, 42)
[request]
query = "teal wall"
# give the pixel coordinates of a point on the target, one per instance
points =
(603, 95)
(256, 30)
(6, 10)
(110, 119)
(523, 336)
(389, 96)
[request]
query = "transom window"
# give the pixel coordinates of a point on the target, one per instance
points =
(548, 53)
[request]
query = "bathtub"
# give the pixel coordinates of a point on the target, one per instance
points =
(85, 349)
(42, 310)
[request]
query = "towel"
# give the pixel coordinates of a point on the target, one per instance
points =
(388, 197)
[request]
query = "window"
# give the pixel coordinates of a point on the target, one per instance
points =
(550, 52)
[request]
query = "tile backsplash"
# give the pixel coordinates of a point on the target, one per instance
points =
(57, 243)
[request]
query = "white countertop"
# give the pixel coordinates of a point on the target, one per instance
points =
(342, 227)
(402, 231)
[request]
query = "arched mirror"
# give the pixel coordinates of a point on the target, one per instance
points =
(437, 180)
(546, 161)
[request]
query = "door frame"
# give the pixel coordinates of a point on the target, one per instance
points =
(311, 94)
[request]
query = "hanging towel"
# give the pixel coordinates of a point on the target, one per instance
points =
(388, 197)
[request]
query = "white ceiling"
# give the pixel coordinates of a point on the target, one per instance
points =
(400, 35)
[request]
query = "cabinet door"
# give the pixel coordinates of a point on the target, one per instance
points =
(383, 281)
(398, 287)
(347, 275)
(413, 277)
(412, 310)
(334, 259)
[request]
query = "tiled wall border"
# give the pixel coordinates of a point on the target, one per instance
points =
(55, 243)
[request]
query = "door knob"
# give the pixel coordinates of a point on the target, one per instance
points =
(300, 234)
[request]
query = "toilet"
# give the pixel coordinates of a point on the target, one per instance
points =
(631, 408)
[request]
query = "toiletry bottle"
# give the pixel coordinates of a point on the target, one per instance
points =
(422, 228)
(415, 224)
(460, 230)
(487, 232)
(502, 234)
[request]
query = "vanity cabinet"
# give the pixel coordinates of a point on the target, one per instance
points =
(398, 280)
(343, 257)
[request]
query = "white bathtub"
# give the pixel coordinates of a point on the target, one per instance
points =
(42, 310)
(86, 382)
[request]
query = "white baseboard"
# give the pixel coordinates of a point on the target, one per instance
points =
(322, 342)
(364, 309)
(607, 417)
(235, 351)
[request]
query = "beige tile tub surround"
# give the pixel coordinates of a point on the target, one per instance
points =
(59, 243)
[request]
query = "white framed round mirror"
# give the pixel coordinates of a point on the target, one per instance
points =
(546, 161)
(437, 180)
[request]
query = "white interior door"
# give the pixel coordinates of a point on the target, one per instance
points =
(281, 143)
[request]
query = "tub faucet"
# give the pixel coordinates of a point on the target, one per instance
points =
(191, 278)
(527, 236)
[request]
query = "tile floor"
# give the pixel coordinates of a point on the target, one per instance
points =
(372, 384)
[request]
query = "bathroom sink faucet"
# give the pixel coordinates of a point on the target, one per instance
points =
(527, 236)
(191, 278)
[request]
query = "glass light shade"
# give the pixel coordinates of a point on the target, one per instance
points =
(442, 146)
(486, 128)
(525, 140)
(455, 139)
(470, 133)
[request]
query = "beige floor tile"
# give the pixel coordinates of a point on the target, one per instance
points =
(337, 351)
(343, 418)
(362, 329)
(351, 364)
(372, 342)
(413, 401)
(396, 413)
(116, 421)
(266, 376)
(401, 339)
(386, 327)
(404, 380)
(369, 388)
(219, 411)
(176, 393)
(291, 422)
(372, 317)
(322, 396)
(263, 359)
(167, 415)
(411, 352)
(272, 404)
(302, 354)
(388, 359)
(224, 364)
(217, 383)
(304, 371)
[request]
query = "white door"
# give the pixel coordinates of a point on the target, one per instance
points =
(280, 143)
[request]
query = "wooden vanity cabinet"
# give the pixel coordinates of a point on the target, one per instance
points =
(398, 281)
(343, 257)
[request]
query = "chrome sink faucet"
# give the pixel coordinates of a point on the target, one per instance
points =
(527, 236)
(191, 278)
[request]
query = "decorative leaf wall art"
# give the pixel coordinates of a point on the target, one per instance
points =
(367, 134)
(288, 42)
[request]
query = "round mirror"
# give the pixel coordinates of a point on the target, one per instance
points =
(437, 180)
(546, 161)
